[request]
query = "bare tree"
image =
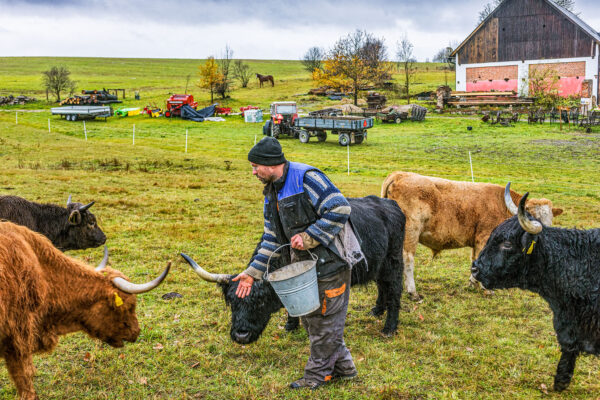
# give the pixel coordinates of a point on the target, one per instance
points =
(241, 71)
(224, 68)
(57, 80)
(404, 53)
(187, 81)
(374, 53)
(313, 59)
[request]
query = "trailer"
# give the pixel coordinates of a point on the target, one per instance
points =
(74, 113)
(350, 129)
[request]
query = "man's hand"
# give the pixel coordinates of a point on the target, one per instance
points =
(297, 242)
(245, 285)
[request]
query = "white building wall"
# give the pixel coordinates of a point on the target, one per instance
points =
(591, 70)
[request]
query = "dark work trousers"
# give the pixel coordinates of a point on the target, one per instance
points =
(329, 355)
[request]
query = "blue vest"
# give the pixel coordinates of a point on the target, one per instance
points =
(294, 181)
(296, 213)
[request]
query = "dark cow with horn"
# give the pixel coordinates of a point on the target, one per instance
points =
(379, 224)
(70, 228)
(562, 266)
(45, 293)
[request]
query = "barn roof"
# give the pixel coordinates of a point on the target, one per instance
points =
(572, 17)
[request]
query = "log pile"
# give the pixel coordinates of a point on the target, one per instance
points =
(11, 100)
(467, 99)
(91, 98)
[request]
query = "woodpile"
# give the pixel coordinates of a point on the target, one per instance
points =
(467, 99)
(11, 100)
(90, 98)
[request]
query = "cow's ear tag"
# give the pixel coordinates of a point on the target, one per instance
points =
(118, 300)
(530, 249)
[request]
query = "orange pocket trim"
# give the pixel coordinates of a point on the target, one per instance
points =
(324, 308)
(335, 292)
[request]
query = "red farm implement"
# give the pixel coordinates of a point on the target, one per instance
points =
(176, 101)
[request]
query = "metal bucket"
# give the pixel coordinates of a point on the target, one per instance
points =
(296, 285)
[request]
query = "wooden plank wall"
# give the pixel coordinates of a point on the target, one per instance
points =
(526, 30)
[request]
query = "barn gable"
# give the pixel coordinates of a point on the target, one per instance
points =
(528, 30)
(521, 37)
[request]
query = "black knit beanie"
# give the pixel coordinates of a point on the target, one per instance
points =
(266, 152)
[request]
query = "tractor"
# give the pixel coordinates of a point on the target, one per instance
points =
(283, 115)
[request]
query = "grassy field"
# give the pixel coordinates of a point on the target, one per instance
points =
(154, 201)
(156, 79)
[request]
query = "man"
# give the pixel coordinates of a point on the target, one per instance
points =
(303, 208)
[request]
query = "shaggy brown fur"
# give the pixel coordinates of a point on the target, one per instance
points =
(45, 294)
(443, 214)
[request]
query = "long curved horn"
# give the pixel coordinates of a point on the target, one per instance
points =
(510, 204)
(136, 288)
(83, 208)
(69, 201)
(104, 261)
(532, 227)
(207, 276)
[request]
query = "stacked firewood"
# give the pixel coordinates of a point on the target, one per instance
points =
(11, 100)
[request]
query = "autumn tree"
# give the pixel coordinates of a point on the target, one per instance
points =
(210, 76)
(404, 53)
(313, 59)
(57, 80)
(354, 61)
(241, 71)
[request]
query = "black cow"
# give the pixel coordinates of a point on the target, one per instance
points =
(379, 223)
(562, 266)
(70, 228)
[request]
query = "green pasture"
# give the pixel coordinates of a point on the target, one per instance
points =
(156, 79)
(154, 200)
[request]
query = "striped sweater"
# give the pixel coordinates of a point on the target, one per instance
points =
(331, 207)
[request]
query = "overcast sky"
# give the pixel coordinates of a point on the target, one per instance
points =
(253, 29)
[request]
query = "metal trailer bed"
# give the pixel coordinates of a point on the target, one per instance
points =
(73, 113)
(350, 129)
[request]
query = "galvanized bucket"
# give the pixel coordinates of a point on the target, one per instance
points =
(296, 285)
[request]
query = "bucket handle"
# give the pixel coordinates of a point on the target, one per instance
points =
(313, 256)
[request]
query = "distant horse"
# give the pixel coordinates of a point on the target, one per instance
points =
(265, 78)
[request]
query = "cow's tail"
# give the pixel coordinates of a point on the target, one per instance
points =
(385, 186)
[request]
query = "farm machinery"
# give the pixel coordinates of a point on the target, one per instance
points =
(176, 101)
(283, 115)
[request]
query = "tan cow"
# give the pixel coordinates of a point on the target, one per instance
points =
(443, 214)
(45, 293)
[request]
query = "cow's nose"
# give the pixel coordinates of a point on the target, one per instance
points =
(242, 336)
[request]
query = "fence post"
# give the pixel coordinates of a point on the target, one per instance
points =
(49, 125)
(17, 117)
(348, 147)
(84, 130)
(471, 163)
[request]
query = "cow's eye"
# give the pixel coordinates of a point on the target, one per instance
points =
(506, 246)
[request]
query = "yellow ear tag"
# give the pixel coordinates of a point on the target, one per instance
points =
(118, 300)
(530, 250)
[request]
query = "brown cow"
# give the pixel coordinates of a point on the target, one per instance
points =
(45, 293)
(443, 214)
